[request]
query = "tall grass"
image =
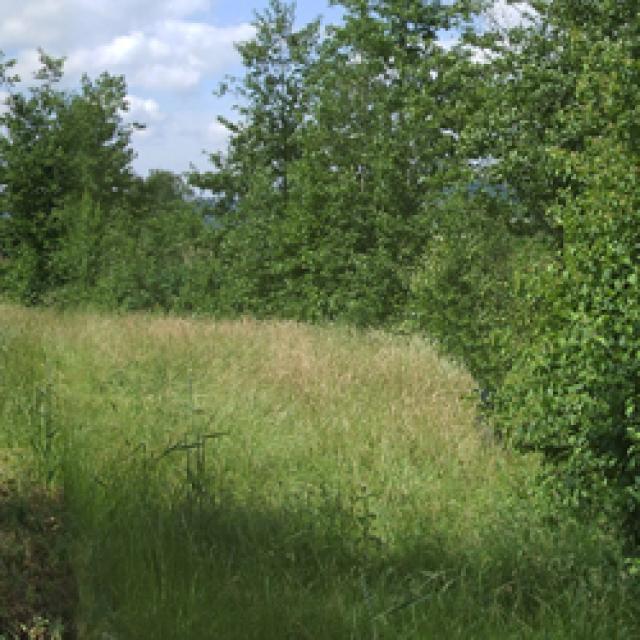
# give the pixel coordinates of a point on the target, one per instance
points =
(273, 480)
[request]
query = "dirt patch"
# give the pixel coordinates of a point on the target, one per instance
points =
(37, 590)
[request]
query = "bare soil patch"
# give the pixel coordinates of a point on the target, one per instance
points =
(37, 589)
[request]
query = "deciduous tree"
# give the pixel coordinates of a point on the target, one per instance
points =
(57, 146)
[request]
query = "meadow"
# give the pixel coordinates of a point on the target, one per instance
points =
(273, 480)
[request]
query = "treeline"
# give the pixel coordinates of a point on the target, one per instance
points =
(77, 226)
(485, 193)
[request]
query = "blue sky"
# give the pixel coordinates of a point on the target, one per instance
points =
(173, 54)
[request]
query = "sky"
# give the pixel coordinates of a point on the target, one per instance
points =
(173, 53)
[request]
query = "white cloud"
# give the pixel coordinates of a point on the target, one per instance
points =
(171, 54)
(120, 50)
(508, 15)
(178, 141)
(143, 109)
(55, 23)
(24, 18)
(27, 63)
(154, 43)
(217, 135)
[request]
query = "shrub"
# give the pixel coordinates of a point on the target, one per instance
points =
(466, 293)
(574, 394)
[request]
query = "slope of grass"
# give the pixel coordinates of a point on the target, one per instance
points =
(273, 480)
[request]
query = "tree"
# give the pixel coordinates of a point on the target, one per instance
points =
(251, 181)
(55, 147)
(153, 252)
(379, 150)
(272, 107)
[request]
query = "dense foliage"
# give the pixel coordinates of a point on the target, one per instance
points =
(484, 193)
(574, 393)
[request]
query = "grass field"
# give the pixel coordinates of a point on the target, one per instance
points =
(273, 480)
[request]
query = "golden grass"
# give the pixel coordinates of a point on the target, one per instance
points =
(397, 389)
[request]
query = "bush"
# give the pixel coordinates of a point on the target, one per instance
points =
(574, 394)
(467, 294)
(117, 258)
